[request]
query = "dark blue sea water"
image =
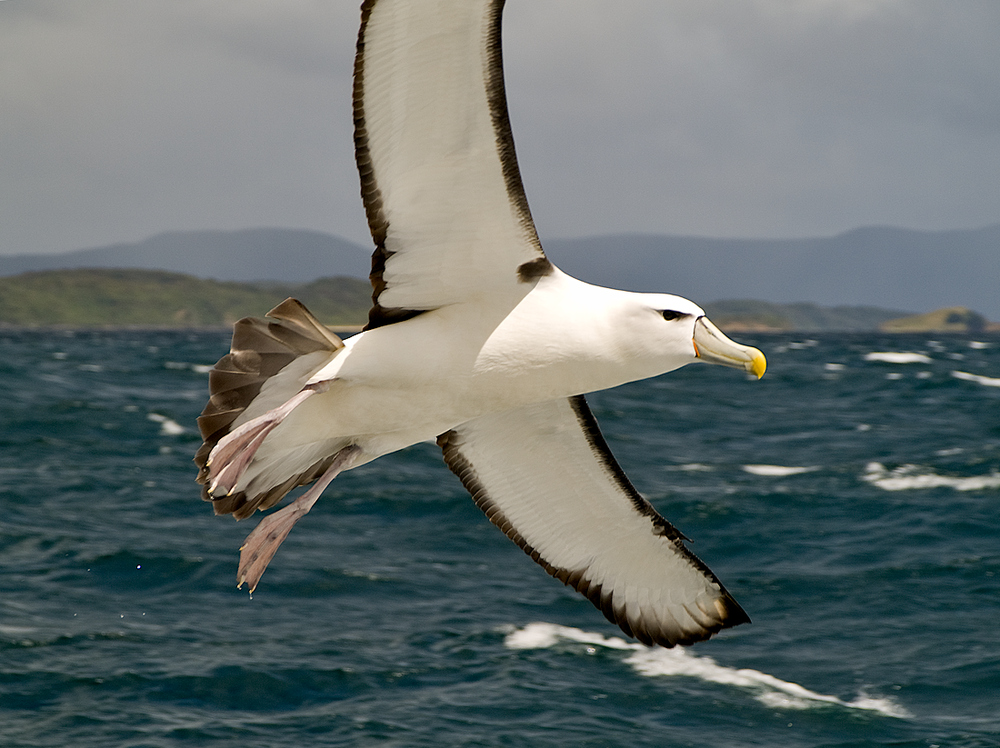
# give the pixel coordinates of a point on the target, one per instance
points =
(849, 503)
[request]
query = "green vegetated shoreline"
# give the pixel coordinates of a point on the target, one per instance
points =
(153, 298)
(82, 298)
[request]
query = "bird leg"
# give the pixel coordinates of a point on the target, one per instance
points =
(236, 450)
(261, 544)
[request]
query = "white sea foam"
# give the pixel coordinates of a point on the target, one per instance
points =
(654, 662)
(777, 471)
(694, 467)
(196, 368)
(914, 477)
(168, 427)
(544, 635)
(977, 378)
(898, 357)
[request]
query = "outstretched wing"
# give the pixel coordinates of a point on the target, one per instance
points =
(439, 177)
(544, 475)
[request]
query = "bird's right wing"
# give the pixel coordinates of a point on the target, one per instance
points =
(544, 475)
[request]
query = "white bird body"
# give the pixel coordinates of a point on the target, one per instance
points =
(401, 384)
(474, 340)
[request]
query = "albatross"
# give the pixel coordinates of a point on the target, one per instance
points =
(474, 340)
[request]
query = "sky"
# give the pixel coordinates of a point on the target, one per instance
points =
(121, 119)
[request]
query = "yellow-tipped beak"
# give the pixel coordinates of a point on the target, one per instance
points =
(711, 346)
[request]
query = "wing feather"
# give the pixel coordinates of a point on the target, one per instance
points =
(439, 176)
(545, 476)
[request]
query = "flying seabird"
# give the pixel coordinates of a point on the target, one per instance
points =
(475, 340)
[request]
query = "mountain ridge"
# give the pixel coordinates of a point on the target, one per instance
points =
(878, 266)
(871, 266)
(254, 254)
(128, 297)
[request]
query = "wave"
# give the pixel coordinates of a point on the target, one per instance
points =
(776, 471)
(655, 662)
(691, 467)
(196, 368)
(977, 378)
(910, 477)
(168, 426)
(898, 357)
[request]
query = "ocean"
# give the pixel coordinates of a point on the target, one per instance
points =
(850, 501)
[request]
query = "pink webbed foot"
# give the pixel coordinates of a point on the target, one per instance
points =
(261, 544)
(234, 452)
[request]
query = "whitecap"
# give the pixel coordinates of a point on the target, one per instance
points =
(655, 662)
(545, 635)
(898, 357)
(196, 368)
(913, 477)
(833, 367)
(978, 345)
(694, 467)
(168, 427)
(977, 378)
(776, 471)
(16, 631)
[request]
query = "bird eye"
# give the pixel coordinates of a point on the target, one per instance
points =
(670, 315)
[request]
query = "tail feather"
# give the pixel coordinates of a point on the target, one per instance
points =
(241, 506)
(260, 349)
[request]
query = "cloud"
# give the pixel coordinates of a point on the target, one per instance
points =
(763, 117)
(131, 118)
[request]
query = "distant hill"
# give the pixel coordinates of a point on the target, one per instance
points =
(154, 298)
(877, 266)
(883, 267)
(289, 255)
(954, 319)
(94, 297)
(734, 316)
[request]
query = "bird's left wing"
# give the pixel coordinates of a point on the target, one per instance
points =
(544, 475)
(439, 177)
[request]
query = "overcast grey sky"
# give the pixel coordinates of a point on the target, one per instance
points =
(120, 119)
